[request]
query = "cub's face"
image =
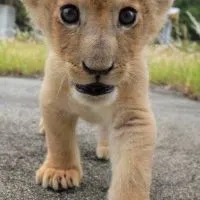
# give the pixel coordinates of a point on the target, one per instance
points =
(98, 42)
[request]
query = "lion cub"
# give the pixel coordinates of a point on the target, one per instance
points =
(96, 70)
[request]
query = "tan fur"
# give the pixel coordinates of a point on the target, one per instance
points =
(125, 115)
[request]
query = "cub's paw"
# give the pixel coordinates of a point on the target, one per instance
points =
(102, 152)
(58, 178)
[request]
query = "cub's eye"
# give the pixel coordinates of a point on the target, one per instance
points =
(127, 16)
(70, 14)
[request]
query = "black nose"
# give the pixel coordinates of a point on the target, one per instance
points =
(97, 72)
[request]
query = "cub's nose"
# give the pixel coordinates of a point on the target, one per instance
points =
(96, 72)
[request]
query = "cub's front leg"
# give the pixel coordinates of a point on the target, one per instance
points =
(62, 168)
(132, 145)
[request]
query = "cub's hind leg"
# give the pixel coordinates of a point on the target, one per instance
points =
(102, 149)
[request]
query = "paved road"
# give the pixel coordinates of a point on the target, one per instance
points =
(176, 173)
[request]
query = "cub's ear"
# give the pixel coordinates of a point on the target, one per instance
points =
(30, 3)
(159, 9)
(31, 6)
(163, 6)
(37, 11)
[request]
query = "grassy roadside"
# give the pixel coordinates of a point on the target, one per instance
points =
(179, 69)
(21, 58)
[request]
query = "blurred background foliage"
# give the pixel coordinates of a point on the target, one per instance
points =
(22, 19)
(185, 24)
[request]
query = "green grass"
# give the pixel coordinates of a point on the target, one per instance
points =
(21, 58)
(179, 68)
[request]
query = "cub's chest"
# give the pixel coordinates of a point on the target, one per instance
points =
(94, 114)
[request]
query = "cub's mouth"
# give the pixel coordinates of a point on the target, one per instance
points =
(95, 89)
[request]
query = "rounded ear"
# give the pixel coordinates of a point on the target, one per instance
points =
(37, 11)
(159, 9)
(163, 6)
(30, 3)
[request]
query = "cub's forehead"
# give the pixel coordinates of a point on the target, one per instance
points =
(99, 3)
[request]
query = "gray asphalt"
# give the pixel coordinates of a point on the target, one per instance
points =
(176, 172)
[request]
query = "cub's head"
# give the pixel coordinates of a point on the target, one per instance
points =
(98, 42)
